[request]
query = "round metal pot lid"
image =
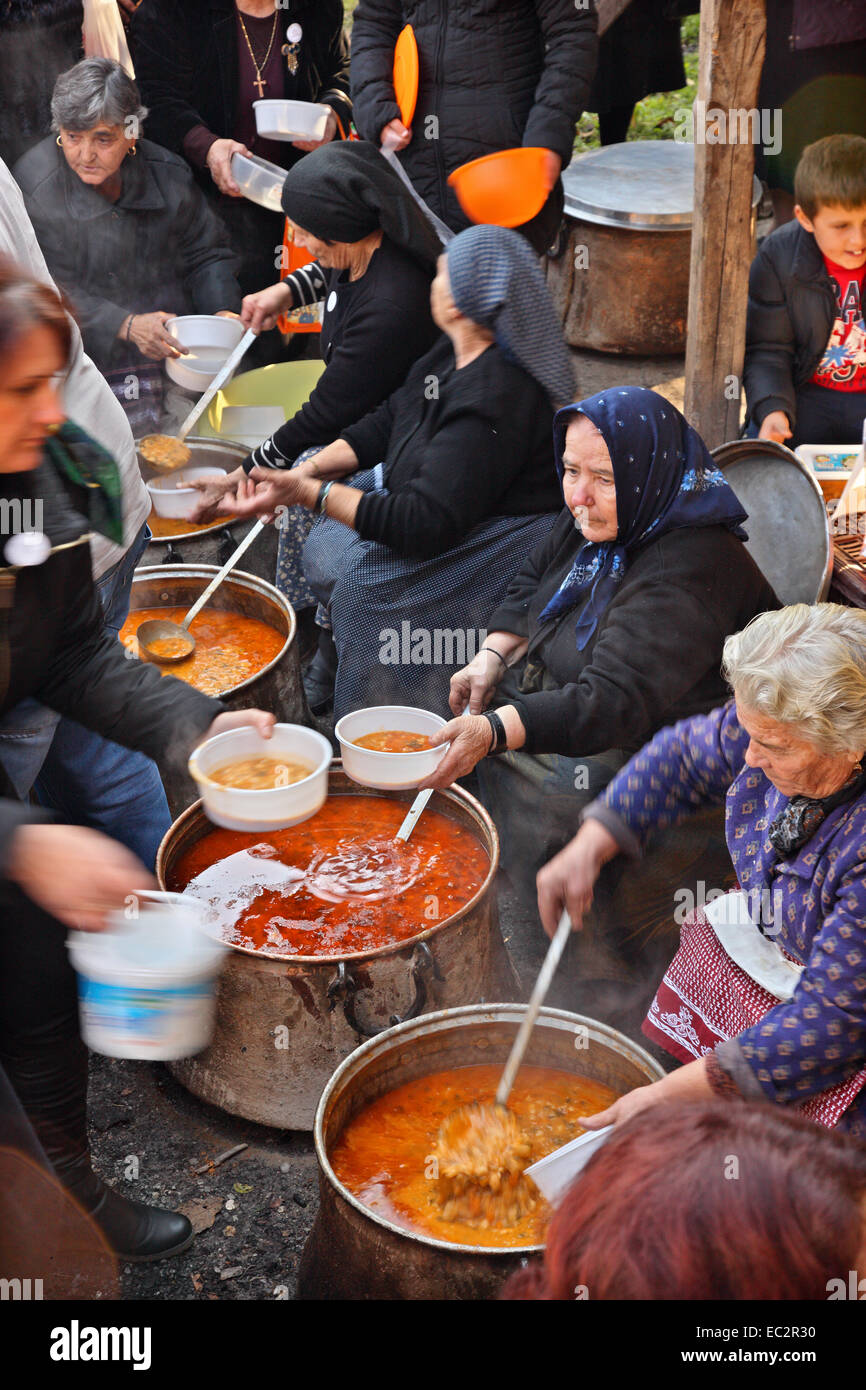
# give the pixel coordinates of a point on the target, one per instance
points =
(788, 528)
(644, 185)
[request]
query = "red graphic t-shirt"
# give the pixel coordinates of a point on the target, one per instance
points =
(843, 365)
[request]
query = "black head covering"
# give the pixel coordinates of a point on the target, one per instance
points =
(345, 190)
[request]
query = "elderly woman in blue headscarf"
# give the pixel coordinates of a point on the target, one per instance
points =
(612, 628)
(431, 503)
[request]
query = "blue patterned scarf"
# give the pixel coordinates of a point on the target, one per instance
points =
(665, 480)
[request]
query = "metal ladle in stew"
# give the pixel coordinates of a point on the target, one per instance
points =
(480, 1148)
(166, 642)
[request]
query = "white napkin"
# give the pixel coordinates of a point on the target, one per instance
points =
(758, 955)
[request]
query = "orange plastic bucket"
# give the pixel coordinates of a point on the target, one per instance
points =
(507, 188)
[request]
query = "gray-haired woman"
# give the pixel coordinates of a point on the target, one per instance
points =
(125, 231)
(766, 997)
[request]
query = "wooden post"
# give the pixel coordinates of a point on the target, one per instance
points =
(733, 37)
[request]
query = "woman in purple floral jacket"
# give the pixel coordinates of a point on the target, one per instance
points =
(766, 997)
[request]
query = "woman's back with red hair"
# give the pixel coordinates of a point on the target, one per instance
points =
(718, 1200)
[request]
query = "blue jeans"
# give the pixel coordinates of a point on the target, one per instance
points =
(84, 777)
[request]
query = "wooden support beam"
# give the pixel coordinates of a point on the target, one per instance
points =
(733, 39)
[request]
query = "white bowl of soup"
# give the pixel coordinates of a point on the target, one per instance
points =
(174, 495)
(209, 340)
(388, 746)
(252, 783)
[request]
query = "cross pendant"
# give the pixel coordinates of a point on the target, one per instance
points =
(261, 84)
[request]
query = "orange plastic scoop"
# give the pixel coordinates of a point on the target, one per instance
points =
(406, 74)
(507, 188)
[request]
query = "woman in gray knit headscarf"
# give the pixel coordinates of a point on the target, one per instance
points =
(453, 484)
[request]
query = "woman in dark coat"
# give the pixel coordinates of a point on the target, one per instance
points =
(54, 647)
(493, 76)
(614, 625)
(640, 53)
(198, 63)
(431, 503)
(125, 231)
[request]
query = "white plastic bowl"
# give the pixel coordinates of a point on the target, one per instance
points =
(210, 341)
(554, 1173)
(291, 120)
(169, 499)
(259, 180)
(388, 771)
(278, 807)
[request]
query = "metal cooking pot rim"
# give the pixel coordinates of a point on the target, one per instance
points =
(476, 1013)
(453, 793)
(241, 579)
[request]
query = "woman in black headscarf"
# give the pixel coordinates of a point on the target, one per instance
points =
(614, 626)
(448, 485)
(375, 255)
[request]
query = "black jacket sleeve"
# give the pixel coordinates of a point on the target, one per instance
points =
(208, 261)
(376, 25)
(768, 371)
(334, 91)
(370, 437)
(364, 368)
(571, 43)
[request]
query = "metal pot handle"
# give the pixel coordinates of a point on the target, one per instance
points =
(226, 546)
(344, 987)
(172, 556)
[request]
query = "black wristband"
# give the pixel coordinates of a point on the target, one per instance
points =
(495, 653)
(499, 742)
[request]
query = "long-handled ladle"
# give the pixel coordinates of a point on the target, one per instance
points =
(481, 1144)
(182, 643)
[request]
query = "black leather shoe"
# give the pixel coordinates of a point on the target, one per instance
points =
(138, 1232)
(320, 678)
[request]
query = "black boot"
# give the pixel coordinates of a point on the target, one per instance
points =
(322, 674)
(47, 1068)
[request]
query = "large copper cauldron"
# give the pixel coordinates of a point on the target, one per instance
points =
(353, 1253)
(284, 1023)
(277, 687)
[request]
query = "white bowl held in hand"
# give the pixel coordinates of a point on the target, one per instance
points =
(173, 496)
(276, 808)
(259, 180)
(291, 120)
(209, 340)
(389, 771)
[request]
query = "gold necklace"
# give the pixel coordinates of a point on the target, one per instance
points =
(259, 81)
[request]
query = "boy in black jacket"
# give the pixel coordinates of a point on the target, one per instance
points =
(805, 368)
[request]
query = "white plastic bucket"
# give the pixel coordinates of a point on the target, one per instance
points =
(147, 985)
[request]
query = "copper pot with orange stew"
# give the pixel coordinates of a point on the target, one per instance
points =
(335, 933)
(246, 649)
(381, 1231)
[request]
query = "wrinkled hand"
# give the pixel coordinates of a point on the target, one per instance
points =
(470, 739)
(567, 882)
(264, 490)
(331, 132)
(211, 492)
(261, 310)
(394, 135)
(261, 720)
(219, 161)
(153, 339)
(77, 875)
(775, 426)
(475, 684)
